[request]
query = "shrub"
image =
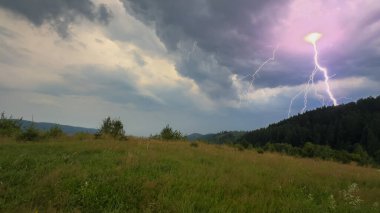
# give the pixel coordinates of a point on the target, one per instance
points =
(313, 150)
(377, 156)
(194, 144)
(8, 126)
(30, 134)
(55, 132)
(279, 147)
(82, 136)
(113, 128)
(239, 147)
(260, 150)
(343, 156)
(167, 133)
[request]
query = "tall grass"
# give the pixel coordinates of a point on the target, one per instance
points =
(154, 176)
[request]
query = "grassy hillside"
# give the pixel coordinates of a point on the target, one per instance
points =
(153, 176)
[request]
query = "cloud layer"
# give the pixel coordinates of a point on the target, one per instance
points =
(181, 62)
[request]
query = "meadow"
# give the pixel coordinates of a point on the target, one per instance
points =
(140, 175)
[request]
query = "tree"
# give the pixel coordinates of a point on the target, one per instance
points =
(167, 133)
(55, 132)
(30, 134)
(113, 128)
(8, 126)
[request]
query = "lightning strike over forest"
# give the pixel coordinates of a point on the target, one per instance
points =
(313, 38)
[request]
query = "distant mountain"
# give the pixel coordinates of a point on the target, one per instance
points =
(194, 136)
(65, 128)
(343, 127)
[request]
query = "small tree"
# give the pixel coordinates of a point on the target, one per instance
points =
(8, 126)
(167, 133)
(30, 134)
(113, 128)
(55, 132)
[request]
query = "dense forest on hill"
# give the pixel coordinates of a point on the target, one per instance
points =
(223, 137)
(346, 127)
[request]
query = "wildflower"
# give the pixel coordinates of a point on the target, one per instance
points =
(332, 202)
(310, 197)
(351, 195)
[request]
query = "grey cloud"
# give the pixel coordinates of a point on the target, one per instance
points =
(231, 34)
(231, 29)
(114, 86)
(226, 33)
(212, 77)
(58, 13)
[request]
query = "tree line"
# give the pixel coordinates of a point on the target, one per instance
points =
(110, 128)
(350, 127)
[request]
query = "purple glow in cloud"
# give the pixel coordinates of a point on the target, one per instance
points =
(338, 21)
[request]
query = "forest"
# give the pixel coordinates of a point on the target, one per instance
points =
(352, 128)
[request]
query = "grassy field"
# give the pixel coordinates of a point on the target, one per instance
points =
(152, 176)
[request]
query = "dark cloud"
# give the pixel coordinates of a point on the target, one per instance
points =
(58, 13)
(234, 36)
(226, 33)
(230, 29)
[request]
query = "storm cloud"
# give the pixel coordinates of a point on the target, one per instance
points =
(214, 39)
(234, 37)
(58, 13)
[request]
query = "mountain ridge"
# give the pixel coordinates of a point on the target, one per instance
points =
(68, 129)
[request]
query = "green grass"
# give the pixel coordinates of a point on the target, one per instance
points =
(152, 176)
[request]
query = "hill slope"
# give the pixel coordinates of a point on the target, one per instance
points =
(343, 127)
(155, 176)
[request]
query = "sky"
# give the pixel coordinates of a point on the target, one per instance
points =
(185, 63)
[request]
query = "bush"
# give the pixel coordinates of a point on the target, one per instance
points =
(113, 128)
(30, 134)
(279, 147)
(194, 144)
(55, 132)
(83, 136)
(312, 150)
(8, 126)
(167, 133)
(343, 156)
(260, 150)
(239, 147)
(377, 156)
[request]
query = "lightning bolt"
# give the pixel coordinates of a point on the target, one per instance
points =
(256, 72)
(313, 38)
(325, 73)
